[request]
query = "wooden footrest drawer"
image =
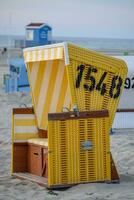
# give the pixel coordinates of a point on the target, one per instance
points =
(35, 160)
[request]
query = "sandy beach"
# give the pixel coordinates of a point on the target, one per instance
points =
(122, 146)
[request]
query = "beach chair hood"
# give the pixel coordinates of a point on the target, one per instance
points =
(64, 75)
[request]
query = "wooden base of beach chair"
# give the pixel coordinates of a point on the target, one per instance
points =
(31, 177)
(30, 162)
(31, 158)
(43, 181)
(114, 173)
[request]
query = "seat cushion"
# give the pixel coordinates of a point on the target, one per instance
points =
(39, 141)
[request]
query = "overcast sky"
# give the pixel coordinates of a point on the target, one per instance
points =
(77, 18)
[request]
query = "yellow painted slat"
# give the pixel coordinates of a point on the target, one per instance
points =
(57, 87)
(38, 83)
(43, 92)
(49, 93)
(25, 122)
(24, 127)
(62, 93)
(12, 147)
(24, 136)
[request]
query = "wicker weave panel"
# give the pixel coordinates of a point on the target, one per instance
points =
(71, 159)
(96, 89)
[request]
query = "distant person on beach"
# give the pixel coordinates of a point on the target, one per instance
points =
(4, 50)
